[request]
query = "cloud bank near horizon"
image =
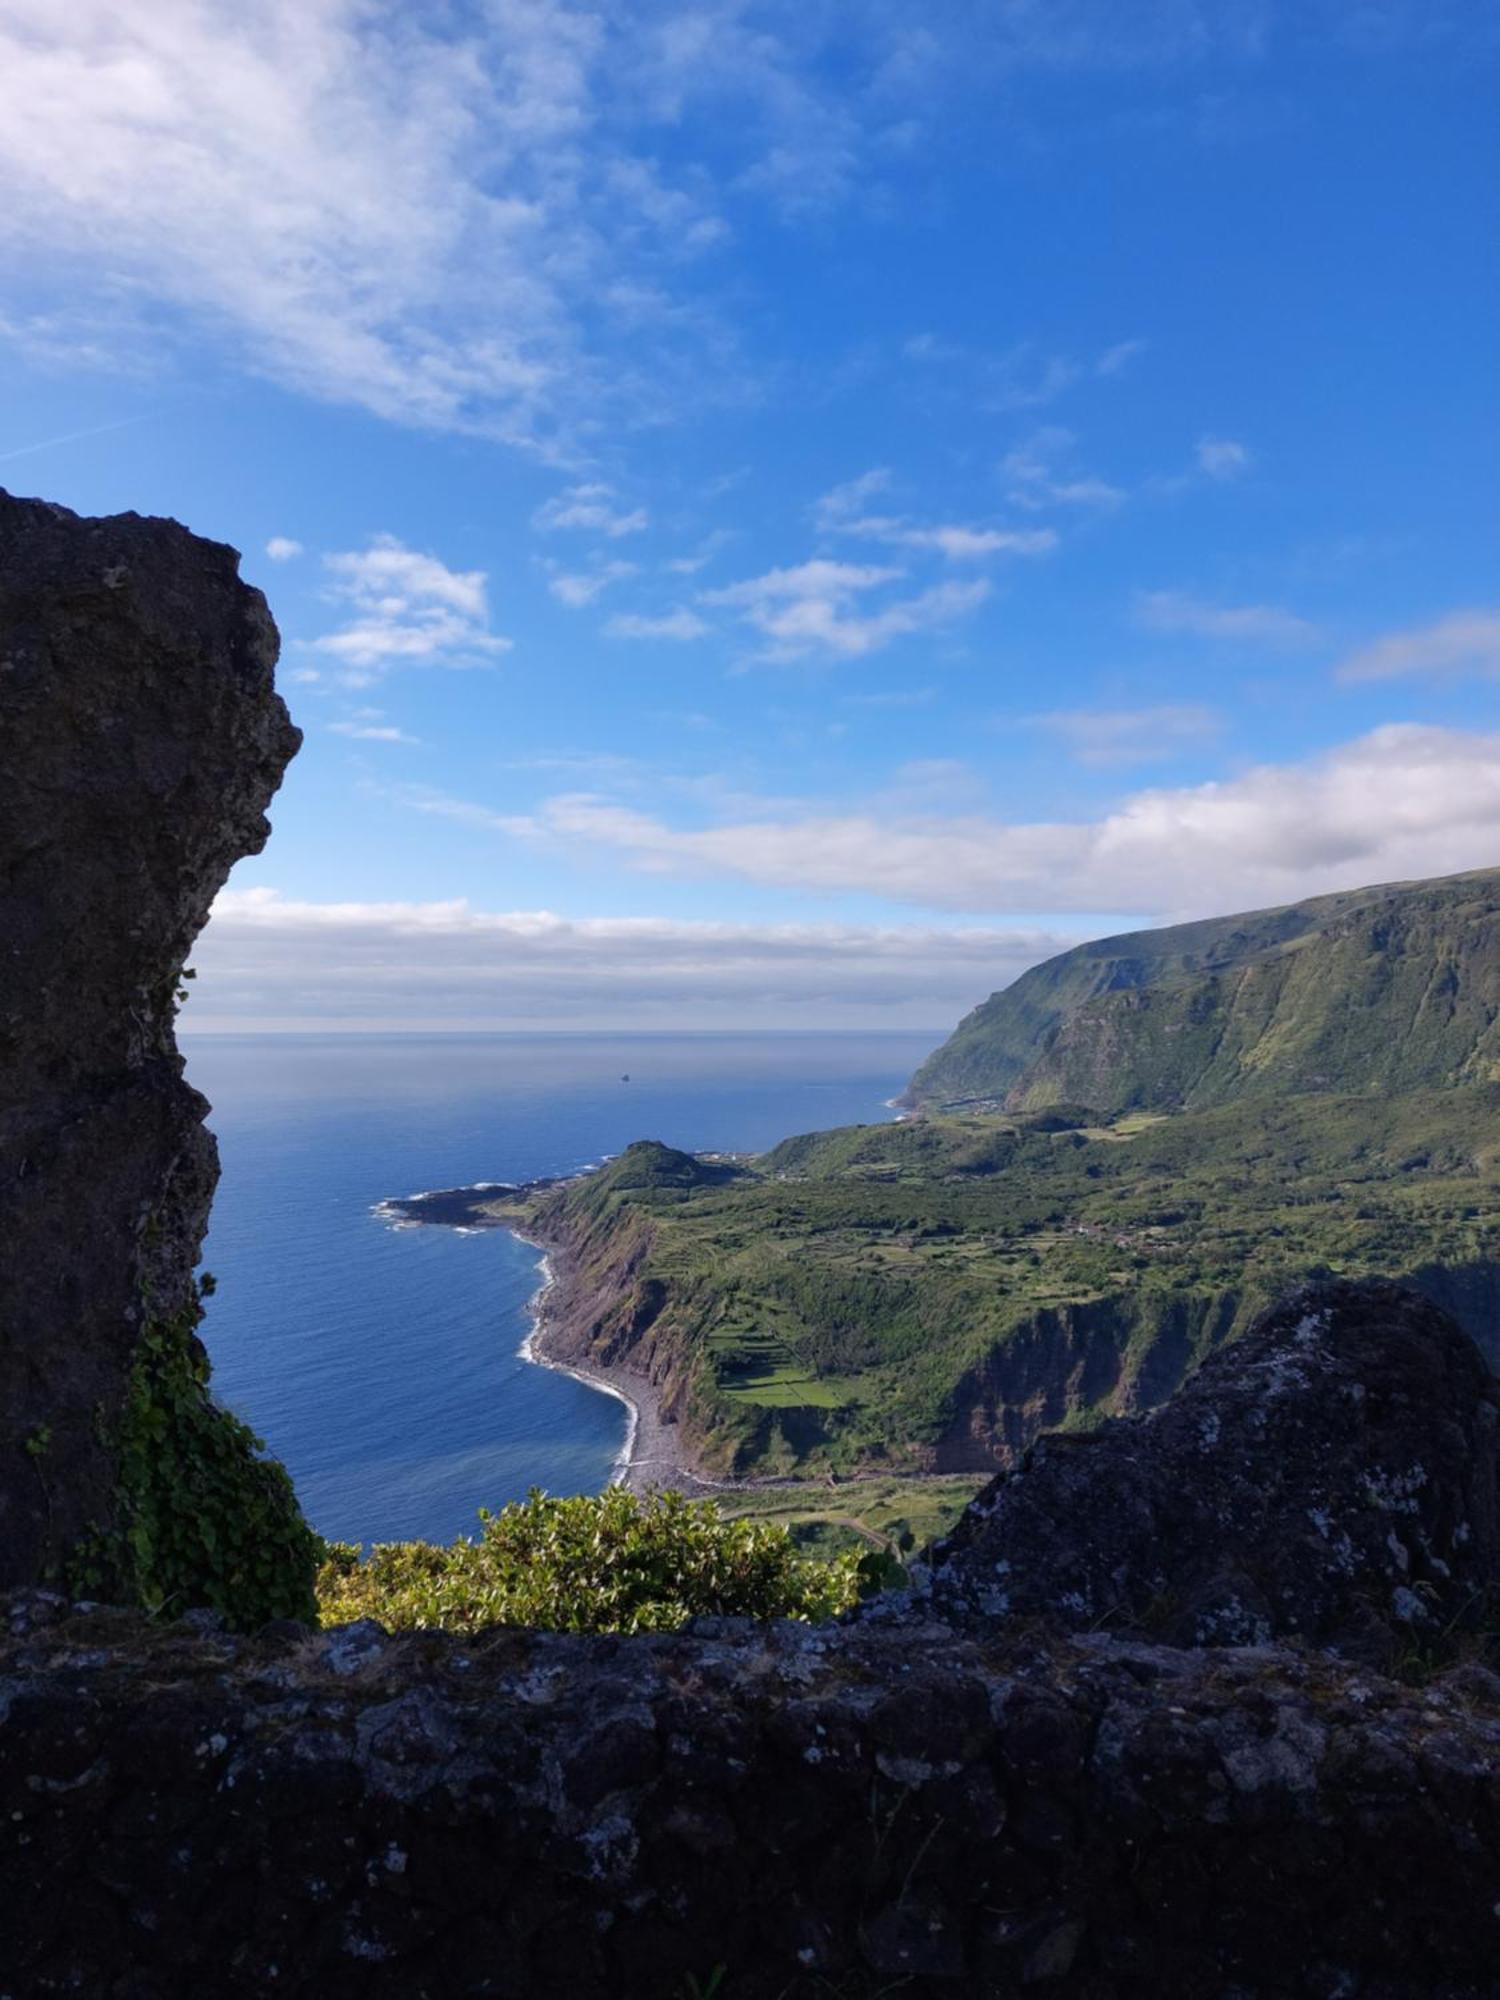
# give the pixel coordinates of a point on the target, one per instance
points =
(270, 962)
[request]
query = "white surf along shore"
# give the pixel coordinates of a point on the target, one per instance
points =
(651, 1453)
(530, 1350)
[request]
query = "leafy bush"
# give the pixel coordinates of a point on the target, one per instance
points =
(606, 1563)
(204, 1518)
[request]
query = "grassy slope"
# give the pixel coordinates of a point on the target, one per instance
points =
(884, 1296)
(1392, 988)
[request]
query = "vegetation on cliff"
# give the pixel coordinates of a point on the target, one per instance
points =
(931, 1294)
(203, 1518)
(605, 1563)
(1390, 988)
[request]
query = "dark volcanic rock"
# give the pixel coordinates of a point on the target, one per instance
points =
(1332, 1475)
(142, 742)
(798, 1814)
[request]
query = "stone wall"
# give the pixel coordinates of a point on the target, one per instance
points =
(142, 741)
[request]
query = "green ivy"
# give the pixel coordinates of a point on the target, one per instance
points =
(204, 1518)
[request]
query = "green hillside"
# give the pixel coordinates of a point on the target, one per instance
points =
(1393, 988)
(926, 1296)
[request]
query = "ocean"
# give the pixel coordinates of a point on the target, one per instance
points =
(381, 1364)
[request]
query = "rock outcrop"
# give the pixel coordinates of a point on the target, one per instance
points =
(143, 739)
(1332, 1476)
(755, 1813)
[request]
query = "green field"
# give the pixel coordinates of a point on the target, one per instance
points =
(897, 1515)
(901, 1297)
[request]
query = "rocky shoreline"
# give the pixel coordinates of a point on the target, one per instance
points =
(654, 1453)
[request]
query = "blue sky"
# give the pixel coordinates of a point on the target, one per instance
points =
(785, 515)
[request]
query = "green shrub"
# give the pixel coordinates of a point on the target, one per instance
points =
(605, 1563)
(203, 1517)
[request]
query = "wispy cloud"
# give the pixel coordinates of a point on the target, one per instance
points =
(917, 697)
(467, 219)
(811, 608)
(840, 511)
(1040, 474)
(406, 609)
(847, 501)
(1465, 642)
(959, 541)
(372, 732)
(678, 624)
(589, 506)
(1115, 360)
(579, 588)
(1106, 737)
(1249, 624)
(281, 548)
(1223, 458)
(67, 437)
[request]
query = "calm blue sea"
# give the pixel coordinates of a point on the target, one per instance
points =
(380, 1364)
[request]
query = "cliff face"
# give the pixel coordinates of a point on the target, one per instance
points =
(143, 739)
(1394, 988)
(1335, 1473)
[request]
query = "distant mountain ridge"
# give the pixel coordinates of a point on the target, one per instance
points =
(1390, 988)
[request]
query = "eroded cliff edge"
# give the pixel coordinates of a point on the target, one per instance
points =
(143, 739)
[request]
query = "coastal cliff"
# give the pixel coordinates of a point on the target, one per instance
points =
(927, 1297)
(143, 740)
(1391, 988)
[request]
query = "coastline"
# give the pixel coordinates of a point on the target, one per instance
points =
(650, 1455)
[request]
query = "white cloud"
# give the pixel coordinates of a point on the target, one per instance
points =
(407, 609)
(1250, 624)
(576, 589)
(269, 961)
(917, 697)
(1026, 380)
(1104, 737)
(842, 503)
(1465, 642)
(841, 511)
(1223, 458)
(1119, 357)
(955, 540)
(1402, 801)
(810, 608)
(370, 732)
(589, 506)
(460, 217)
(678, 623)
(819, 578)
(1040, 477)
(281, 548)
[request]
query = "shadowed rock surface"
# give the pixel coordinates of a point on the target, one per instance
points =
(143, 740)
(1334, 1475)
(814, 1811)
